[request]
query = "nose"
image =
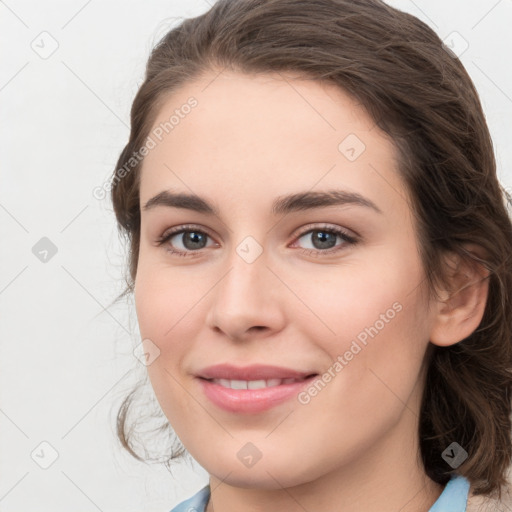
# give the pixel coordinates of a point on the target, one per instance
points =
(246, 301)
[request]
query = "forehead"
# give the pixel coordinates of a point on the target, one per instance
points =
(266, 132)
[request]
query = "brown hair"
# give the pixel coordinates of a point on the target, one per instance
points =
(420, 95)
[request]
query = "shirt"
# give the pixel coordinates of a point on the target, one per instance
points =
(454, 498)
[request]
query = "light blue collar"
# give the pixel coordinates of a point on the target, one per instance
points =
(196, 503)
(454, 498)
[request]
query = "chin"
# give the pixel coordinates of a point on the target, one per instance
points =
(271, 474)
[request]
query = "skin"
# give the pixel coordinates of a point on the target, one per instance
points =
(249, 140)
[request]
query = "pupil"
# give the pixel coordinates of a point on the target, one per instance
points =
(321, 241)
(193, 238)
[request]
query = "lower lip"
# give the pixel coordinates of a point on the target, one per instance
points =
(251, 400)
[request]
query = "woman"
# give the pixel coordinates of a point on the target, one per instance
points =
(320, 260)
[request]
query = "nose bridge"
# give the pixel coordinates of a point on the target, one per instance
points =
(243, 286)
(246, 263)
(245, 297)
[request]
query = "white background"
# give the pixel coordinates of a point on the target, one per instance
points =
(66, 361)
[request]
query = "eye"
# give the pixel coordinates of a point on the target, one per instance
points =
(323, 239)
(189, 239)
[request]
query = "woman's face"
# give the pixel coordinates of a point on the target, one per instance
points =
(305, 281)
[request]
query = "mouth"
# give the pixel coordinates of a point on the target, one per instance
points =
(254, 384)
(252, 373)
(252, 389)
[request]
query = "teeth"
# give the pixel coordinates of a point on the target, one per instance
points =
(238, 384)
(252, 384)
(256, 384)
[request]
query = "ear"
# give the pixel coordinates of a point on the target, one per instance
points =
(461, 308)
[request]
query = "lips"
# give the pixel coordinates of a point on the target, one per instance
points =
(251, 389)
(251, 373)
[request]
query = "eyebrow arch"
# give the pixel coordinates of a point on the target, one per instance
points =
(282, 205)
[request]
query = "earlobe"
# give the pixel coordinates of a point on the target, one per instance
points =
(461, 307)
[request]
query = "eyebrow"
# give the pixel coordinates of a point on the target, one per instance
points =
(282, 205)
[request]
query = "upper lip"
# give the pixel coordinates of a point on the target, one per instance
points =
(253, 372)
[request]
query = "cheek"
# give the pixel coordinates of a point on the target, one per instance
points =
(165, 298)
(171, 306)
(359, 301)
(165, 313)
(372, 322)
(164, 309)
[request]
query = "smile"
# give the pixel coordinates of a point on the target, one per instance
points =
(253, 384)
(252, 389)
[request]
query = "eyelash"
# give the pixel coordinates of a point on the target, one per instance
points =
(350, 240)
